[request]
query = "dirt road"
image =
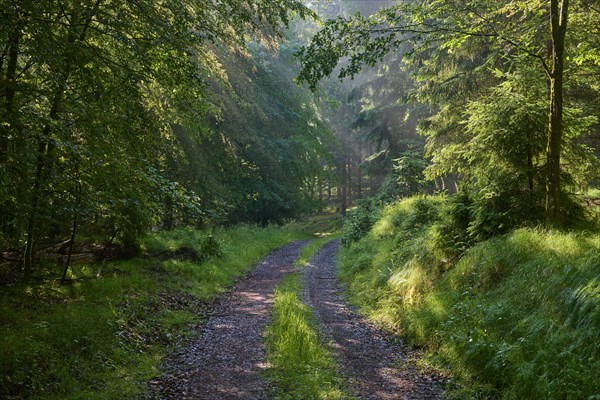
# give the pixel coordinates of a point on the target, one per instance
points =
(225, 360)
(374, 367)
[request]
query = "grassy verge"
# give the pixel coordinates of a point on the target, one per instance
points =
(103, 336)
(302, 366)
(516, 317)
(322, 225)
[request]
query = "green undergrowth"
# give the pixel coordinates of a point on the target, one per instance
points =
(302, 365)
(514, 317)
(239, 248)
(103, 335)
(322, 225)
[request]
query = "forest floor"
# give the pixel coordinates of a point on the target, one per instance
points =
(226, 357)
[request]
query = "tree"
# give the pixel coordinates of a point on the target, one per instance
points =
(91, 92)
(501, 31)
(559, 16)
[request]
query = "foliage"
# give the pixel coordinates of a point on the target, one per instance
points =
(210, 247)
(484, 70)
(506, 130)
(359, 221)
(276, 138)
(513, 317)
(453, 231)
(117, 117)
(407, 177)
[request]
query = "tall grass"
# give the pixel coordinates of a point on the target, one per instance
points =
(516, 317)
(302, 365)
(104, 335)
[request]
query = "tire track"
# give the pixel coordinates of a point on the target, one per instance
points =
(226, 358)
(374, 367)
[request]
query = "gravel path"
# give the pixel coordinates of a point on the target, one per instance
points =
(373, 365)
(225, 360)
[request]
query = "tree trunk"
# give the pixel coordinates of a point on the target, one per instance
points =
(343, 187)
(338, 189)
(45, 144)
(44, 152)
(349, 174)
(372, 183)
(10, 90)
(11, 74)
(168, 217)
(359, 187)
(11, 51)
(73, 233)
(359, 175)
(558, 15)
(321, 183)
(530, 171)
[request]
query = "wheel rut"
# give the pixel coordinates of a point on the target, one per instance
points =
(375, 367)
(225, 359)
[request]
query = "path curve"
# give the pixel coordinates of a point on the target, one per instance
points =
(373, 366)
(226, 358)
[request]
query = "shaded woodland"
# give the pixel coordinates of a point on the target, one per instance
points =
(152, 151)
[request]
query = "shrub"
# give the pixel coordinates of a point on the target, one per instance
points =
(360, 221)
(452, 231)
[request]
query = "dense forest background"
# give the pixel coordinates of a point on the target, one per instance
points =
(118, 118)
(507, 110)
(121, 118)
(152, 151)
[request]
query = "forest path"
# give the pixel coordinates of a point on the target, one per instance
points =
(374, 367)
(225, 359)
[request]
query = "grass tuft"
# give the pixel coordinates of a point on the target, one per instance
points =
(302, 367)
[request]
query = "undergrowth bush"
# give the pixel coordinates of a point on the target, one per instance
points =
(359, 221)
(451, 232)
(514, 317)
